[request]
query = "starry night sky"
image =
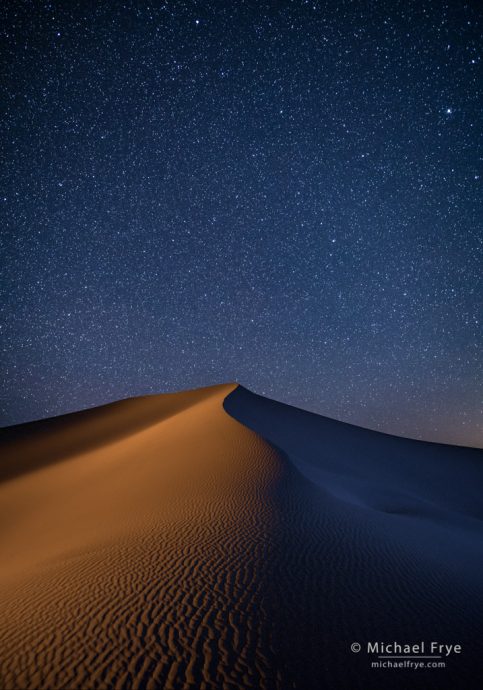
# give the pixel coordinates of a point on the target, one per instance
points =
(286, 194)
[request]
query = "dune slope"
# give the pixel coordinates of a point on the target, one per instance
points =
(214, 539)
(381, 540)
(139, 562)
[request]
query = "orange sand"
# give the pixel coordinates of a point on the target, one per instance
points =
(137, 561)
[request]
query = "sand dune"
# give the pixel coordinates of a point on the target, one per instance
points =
(215, 539)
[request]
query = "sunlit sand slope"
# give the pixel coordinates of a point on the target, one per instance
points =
(140, 561)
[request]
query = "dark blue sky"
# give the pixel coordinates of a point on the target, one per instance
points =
(286, 194)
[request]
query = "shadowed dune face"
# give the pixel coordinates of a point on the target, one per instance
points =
(379, 538)
(366, 467)
(176, 548)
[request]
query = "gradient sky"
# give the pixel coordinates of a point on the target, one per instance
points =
(286, 194)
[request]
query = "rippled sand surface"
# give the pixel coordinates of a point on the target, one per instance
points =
(162, 543)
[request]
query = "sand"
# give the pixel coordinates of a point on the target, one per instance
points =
(214, 540)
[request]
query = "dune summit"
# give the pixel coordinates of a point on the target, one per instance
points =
(215, 539)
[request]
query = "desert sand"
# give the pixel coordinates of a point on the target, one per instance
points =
(214, 539)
